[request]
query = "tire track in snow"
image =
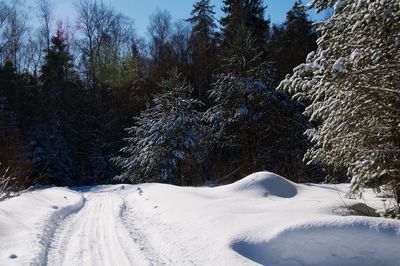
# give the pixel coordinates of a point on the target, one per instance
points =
(135, 225)
(96, 235)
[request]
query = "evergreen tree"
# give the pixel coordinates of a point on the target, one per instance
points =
(291, 43)
(57, 68)
(8, 84)
(249, 14)
(14, 160)
(51, 149)
(14, 155)
(255, 128)
(165, 143)
(203, 47)
(6, 181)
(352, 82)
(244, 58)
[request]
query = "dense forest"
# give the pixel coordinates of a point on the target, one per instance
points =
(203, 99)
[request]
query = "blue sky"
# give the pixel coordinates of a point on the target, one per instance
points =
(140, 10)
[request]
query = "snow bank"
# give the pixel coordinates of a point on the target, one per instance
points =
(27, 223)
(262, 219)
(348, 242)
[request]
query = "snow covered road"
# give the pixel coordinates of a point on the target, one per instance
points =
(95, 235)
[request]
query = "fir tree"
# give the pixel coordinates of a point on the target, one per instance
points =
(254, 126)
(8, 84)
(249, 14)
(58, 67)
(293, 41)
(352, 82)
(51, 149)
(14, 160)
(203, 46)
(166, 140)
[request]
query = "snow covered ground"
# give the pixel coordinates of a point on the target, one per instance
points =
(261, 219)
(28, 222)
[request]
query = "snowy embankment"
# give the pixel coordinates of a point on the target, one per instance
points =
(261, 219)
(28, 222)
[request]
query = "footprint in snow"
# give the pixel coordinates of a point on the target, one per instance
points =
(55, 207)
(140, 191)
(13, 256)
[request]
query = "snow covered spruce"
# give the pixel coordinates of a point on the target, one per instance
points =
(351, 84)
(166, 138)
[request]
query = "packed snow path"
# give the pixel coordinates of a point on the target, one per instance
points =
(96, 235)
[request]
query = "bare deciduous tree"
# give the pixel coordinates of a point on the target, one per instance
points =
(12, 27)
(45, 19)
(101, 26)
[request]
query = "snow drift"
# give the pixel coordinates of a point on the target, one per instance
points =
(264, 219)
(330, 243)
(28, 222)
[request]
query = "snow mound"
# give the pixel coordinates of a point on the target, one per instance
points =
(265, 184)
(28, 222)
(328, 244)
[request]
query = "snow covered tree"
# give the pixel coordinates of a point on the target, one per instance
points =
(239, 93)
(165, 143)
(352, 85)
(255, 128)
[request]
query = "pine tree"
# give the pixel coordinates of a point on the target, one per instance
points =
(51, 149)
(6, 181)
(293, 41)
(203, 47)
(254, 127)
(14, 157)
(8, 84)
(249, 14)
(243, 57)
(15, 164)
(166, 140)
(58, 66)
(352, 82)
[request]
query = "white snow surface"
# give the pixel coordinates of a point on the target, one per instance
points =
(28, 222)
(262, 219)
